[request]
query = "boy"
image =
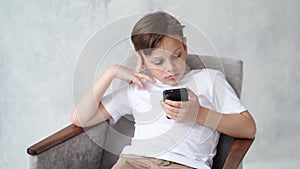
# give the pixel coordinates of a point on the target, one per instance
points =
(189, 138)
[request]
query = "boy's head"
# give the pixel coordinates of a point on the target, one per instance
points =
(158, 39)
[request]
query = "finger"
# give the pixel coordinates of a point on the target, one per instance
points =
(141, 75)
(191, 94)
(172, 115)
(137, 80)
(172, 109)
(168, 110)
(163, 106)
(176, 104)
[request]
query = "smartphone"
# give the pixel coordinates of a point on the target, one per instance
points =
(180, 94)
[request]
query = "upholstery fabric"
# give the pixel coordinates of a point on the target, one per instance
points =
(82, 151)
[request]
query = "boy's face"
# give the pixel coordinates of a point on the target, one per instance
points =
(167, 62)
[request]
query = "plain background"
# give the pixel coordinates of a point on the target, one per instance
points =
(41, 41)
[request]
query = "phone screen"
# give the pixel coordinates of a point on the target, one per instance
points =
(180, 94)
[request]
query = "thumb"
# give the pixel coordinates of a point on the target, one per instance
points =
(191, 94)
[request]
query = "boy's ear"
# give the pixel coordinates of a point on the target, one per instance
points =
(184, 43)
(184, 46)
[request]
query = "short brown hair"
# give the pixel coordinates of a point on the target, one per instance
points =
(149, 31)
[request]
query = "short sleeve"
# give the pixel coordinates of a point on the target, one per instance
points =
(117, 103)
(224, 98)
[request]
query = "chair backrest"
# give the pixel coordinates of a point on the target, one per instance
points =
(233, 70)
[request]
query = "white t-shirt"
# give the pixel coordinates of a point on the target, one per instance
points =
(156, 136)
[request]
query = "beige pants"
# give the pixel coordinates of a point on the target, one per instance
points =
(127, 161)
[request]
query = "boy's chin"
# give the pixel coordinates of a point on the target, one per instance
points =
(171, 82)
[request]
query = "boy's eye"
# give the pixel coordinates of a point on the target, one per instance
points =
(157, 62)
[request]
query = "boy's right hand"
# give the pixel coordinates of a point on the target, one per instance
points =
(130, 76)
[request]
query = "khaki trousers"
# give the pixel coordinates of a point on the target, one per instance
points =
(127, 161)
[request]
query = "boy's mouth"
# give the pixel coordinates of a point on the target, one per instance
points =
(172, 76)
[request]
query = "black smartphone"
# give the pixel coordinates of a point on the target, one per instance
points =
(180, 94)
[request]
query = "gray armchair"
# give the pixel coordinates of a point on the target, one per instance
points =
(77, 148)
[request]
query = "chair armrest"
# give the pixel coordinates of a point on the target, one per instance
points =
(237, 152)
(72, 147)
(55, 139)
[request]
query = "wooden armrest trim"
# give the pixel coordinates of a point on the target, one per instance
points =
(55, 139)
(237, 152)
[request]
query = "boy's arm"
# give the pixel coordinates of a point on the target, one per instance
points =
(100, 116)
(89, 109)
(239, 125)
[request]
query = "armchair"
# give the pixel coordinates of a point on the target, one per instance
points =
(76, 148)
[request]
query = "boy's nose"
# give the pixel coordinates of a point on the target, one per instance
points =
(170, 67)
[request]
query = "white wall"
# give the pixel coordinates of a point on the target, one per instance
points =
(40, 42)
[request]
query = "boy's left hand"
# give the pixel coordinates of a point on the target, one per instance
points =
(185, 111)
